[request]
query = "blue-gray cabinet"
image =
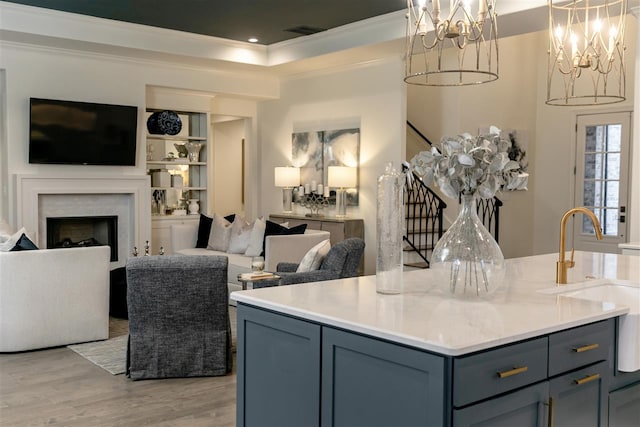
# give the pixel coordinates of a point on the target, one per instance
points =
(297, 372)
(278, 370)
(368, 382)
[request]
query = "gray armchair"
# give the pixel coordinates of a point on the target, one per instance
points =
(342, 261)
(178, 317)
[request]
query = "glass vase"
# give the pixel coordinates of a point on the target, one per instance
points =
(467, 259)
(389, 232)
(193, 150)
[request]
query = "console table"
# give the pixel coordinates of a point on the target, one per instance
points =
(339, 228)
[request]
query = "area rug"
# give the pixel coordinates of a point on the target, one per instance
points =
(110, 354)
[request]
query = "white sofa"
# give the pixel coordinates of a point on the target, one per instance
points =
(289, 248)
(53, 297)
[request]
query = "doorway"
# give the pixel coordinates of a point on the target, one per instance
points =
(602, 179)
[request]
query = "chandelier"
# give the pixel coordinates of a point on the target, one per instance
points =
(586, 52)
(469, 27)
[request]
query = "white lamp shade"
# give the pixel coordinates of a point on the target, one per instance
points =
(287, 176)
(342, 177)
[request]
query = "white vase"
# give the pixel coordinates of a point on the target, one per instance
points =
(194, 208)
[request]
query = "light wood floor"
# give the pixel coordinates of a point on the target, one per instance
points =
(58, 387)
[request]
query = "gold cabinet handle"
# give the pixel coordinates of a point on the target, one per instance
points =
(586, 348)
(514, 371)
(587, 379)
(550, 420)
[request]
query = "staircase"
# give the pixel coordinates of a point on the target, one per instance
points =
(423, 221)
(424, 213)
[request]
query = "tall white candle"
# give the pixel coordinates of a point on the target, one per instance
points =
(326, 191)
(319, 189)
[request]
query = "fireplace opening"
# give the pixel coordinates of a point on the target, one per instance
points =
(79, 232)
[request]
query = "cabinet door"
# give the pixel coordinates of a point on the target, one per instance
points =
(367, 382)
(336, 229)
(278, 362)
(579, 398)
(624, 407)
(523, 408)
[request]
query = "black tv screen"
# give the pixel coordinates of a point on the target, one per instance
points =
(82, 133)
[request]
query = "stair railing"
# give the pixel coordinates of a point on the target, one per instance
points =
(489, 214)
(424, 213)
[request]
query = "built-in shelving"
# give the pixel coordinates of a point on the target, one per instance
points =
(173, 195)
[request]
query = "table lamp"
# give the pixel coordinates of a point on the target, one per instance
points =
(287, 177)
(341, 178)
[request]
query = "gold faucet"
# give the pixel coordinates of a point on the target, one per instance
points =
(562, 266)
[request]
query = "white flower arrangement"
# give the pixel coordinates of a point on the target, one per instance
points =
(471, 165)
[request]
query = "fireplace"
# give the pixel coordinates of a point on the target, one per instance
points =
(84, 231)
(124, 196)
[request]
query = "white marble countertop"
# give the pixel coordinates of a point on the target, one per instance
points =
(426, 317)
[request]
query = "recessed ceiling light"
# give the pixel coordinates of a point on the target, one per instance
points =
(253, 40)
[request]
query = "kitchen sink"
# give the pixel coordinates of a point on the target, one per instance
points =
(619, 292)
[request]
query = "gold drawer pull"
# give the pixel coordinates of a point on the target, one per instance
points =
(514, 371)
(586, 348)
(587, 379)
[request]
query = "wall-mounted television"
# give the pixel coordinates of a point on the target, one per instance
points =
(82, 133)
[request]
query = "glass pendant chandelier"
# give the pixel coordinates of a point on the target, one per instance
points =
(468, 27)
(586, 52)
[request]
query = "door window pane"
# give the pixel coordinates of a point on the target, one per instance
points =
(601, 182)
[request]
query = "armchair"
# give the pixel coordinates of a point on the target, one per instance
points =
(53, 297)
(341, 262)
(178, 317)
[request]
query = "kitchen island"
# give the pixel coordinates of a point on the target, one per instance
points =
(338, 353)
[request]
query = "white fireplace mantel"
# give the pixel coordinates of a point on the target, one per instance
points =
(31, 187)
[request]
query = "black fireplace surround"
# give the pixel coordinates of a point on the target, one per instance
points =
(79, 232)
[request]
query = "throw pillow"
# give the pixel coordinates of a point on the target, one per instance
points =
(11, 242)
(240, 236)
(24, 244)
(220, 234)
(256, 239)
(313, 259)
(5, 231)
(204, 229)
(274, 229)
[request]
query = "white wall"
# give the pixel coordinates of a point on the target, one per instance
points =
(33, 71)
(371, 94)
(227, 167)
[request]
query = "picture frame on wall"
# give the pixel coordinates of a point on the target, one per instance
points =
(314, 151)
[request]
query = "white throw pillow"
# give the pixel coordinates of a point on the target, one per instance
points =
(257, 237)
(8, 244)
(5, 231)
(220, 234)
(313, 259)
(240, 236)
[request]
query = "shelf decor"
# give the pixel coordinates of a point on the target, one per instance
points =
(314, 202)
(467, 258)
(193, 149)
